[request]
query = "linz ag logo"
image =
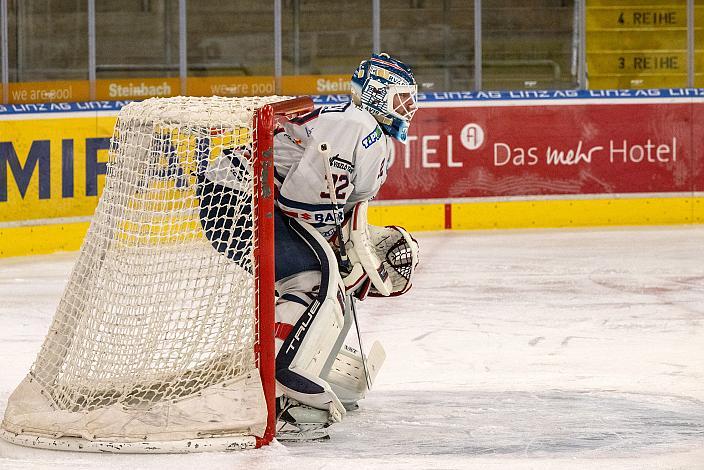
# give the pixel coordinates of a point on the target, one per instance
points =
(373, 137)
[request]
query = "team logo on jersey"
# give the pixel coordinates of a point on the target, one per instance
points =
(341, 164)
(373, 137)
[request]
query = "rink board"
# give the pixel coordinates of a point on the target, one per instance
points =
(472, 161)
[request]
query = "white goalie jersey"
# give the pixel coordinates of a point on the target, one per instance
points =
(359, 158)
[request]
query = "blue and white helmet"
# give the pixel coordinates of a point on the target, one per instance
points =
(386, 88)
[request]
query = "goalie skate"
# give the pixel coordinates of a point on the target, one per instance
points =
(298, 422)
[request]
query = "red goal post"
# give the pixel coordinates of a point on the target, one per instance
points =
(264, 161)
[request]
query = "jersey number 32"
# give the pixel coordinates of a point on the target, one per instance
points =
(341, 182)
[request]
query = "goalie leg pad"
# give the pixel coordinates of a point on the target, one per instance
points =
(346, 376)
(295, 294)
(303, 352)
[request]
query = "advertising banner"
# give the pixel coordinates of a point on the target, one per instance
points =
(231, 86)
(698, 150)
(462, 146)
(49, 92)
(136, 88)
(520, 150)
(315, 84)
(52, 168)
(266, 85)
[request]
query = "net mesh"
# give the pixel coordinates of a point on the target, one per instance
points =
(161, 302)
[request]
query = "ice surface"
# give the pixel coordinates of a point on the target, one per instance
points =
(546, 349)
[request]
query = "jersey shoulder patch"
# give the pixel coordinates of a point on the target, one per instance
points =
(364, 125)
(373, 137)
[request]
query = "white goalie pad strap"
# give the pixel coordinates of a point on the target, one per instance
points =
(361, 251)
(387, 255)
(303, 354)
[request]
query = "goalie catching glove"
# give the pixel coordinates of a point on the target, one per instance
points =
(381, 259)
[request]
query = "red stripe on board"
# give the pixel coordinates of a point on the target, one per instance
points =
(448, 216)
(282, 330)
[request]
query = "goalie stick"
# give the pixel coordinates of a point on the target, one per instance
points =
(324, 150)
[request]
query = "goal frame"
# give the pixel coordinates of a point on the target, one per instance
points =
(264, 121)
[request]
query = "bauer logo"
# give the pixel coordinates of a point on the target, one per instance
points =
(472, 136)
(373, 137)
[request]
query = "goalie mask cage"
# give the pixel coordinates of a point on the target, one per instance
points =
(163, 340)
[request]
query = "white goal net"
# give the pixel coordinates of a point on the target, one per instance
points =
(154, 342)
